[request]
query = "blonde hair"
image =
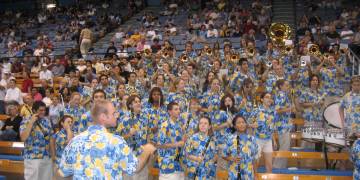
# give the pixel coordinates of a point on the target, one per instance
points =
(100, 107)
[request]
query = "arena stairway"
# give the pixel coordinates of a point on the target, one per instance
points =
(284, 12)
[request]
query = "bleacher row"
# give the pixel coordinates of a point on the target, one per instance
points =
(306, 165)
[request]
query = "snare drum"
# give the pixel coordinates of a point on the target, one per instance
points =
(335, 137)
(332, 115)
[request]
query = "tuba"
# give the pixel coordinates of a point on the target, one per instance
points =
(278, 33)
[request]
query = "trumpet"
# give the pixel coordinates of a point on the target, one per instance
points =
(107, 67)
(269, 64)
(165, 55)
(208, 51)
(184, 58)
(287, 49)
(235, 57)
(250, 52)
(314, 50)
(147, 52)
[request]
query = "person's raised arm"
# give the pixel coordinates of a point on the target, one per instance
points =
(149, 149)
(25, 133)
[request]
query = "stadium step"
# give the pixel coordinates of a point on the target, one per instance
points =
(284, 12)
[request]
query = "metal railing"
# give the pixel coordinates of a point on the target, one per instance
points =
(355, 60)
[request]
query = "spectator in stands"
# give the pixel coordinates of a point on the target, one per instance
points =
(13, 93)
(47, 97)
(27, 84)
(35, 94)
(56, 109)
(58, 69)
(10, 129)
(113, 148)
(26, 108)
(86, 38)
(45, 73)
(111, 50)
(212, 32)
(36, 132)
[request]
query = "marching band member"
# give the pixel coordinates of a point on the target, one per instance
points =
(178, 94)
(155, 111)
(133, 127)
(210, 100)
(86, 120)
(355, 157)
(270, 78)
(170, 142)
(350, 107)
(330, 76)
(200, 152)
(262, 120)
(74, 109)
(60, 140)
(238, 78)
(241, 151)
(35, 132)
(105, 86)
(283, 108)
(310, 100)
(245, 98)
(190, 120)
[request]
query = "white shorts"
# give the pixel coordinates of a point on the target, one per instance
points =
(39, 169)
(265, 145)
(173, 176)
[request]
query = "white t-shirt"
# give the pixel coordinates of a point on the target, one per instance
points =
(47, 75)
(14, 94)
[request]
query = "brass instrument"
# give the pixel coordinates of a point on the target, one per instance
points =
(288, 49)
(107, 67)
(250, 52)
(314, 50)
(184, 58)
(235, 57)
(208, 51)
(279, 32)
(165, 54)
(147, 52)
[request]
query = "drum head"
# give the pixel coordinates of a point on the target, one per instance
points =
(332, 115)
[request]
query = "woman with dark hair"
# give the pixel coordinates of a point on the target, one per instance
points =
(262, 121)
(245, 98)
(190, 119)
(210, 100)
(133, 127)
(241, 151)
(155, 111)
(311, 99)
(209, 77)
(200, 152)
(60, 139)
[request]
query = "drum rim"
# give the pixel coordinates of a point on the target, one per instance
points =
(327, 122)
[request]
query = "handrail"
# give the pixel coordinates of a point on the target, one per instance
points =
(352, 59)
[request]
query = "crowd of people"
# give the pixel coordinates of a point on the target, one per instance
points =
(189, 115)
